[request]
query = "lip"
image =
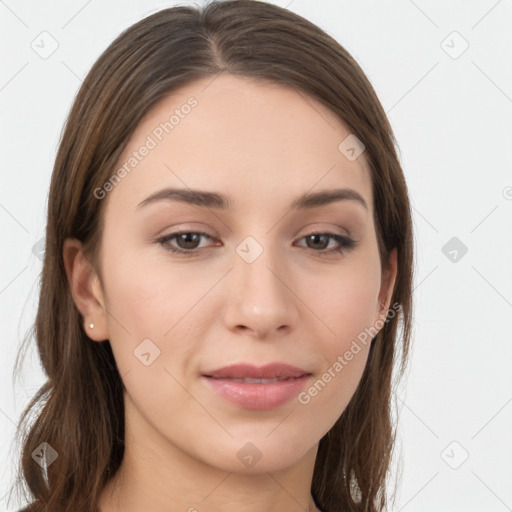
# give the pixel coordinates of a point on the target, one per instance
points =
(257, 396)
(268, 371)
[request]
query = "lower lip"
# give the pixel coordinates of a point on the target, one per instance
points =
(258, 396)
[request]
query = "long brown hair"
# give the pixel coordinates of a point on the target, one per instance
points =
(81, 405)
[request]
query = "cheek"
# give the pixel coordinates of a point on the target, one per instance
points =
(348, 310)
(346, 299)
(156, 314)
(330, 392)
(147, 296)
(148, 330)
(345, 302)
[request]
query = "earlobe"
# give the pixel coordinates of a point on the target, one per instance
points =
(85, 290)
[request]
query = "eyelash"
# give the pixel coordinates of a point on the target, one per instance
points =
(345, 243)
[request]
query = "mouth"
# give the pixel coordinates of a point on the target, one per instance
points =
(259, 374)
(249, 380)
(262, 388)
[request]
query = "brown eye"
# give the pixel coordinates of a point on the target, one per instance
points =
(319, 242)
(186, 242)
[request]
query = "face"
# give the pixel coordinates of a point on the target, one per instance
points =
(258, 280)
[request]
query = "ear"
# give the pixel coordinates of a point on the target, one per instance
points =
(86, 291)
(387, 284)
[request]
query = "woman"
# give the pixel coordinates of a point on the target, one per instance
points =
(227, 275)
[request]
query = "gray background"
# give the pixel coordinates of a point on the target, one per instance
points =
(451, 109)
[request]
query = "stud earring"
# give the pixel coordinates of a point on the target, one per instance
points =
(91, 326)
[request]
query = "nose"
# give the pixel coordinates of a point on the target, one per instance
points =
(260, 297)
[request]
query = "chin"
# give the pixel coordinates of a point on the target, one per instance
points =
(259, 455)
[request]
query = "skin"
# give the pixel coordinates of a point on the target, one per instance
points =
(263, 145)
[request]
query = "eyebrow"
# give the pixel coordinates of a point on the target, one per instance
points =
(221, 201)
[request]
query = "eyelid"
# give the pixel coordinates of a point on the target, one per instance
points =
(315, 231)
(345, 242)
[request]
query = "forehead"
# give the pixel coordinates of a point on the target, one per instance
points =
(255, 140)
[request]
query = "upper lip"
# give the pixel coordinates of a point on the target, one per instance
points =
(269, 371)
